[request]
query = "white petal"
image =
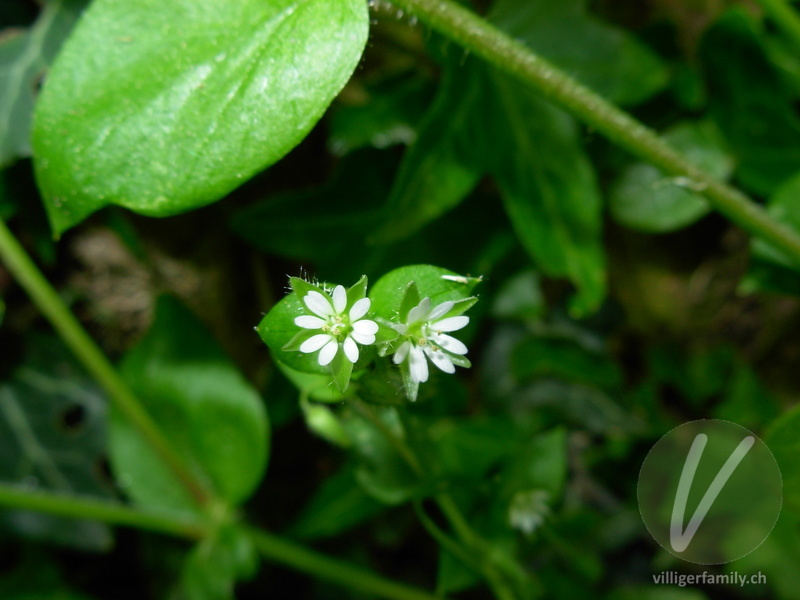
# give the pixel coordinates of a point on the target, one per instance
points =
(450, 324)
(359, 309)
(440, 359)
(419, 312)
(441, 310)
(328, 352)
(365, 327)
(339, 299)
(449, 343)
(318, 304)
(350, 349)
(365, 339)
(314, 343)
(309, 322)
(418, 365)
(401, 353)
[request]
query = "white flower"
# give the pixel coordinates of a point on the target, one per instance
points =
(338, 327)
(424, 329)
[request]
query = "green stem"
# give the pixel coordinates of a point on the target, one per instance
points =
(785, 17)
(272, 547)
(473, 542)
(305, 560)
(501, 50)
(46, 298)
(114, 513)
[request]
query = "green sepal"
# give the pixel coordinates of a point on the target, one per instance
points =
(301, 287)
(293, 345)
(411, 387)
(410, 300)
(341, 369)
(357, 291)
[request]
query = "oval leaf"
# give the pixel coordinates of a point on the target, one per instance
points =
(214, 418)
(181, 101)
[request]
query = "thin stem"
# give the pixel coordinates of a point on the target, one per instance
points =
(785, 17)
(305, 560)
(271, 547)
(84, 348)
(443, 539)
(114, 513)
(472, 541)
(488, 42)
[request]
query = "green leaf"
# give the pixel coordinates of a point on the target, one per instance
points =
(436, 174)
(783, 439)
(381, 471)
(301, 224)
(53, 438)
(436, 283)
(549, 189)
(751, 104)
(317, 386)
(386, 113)
(338, 505)
(605, 58)
(182, 102)
(541, 464)
(324, 422)
(784, 208)
(534, 153)
(770, 269)
(520, 297)
(24, 58)
(214, 418)
(645, 198)
(538, 357)
(217, 563)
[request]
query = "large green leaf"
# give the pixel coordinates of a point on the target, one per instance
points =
(750, 102)
(436, 173)
(483, 122)
(603, 57)
(338, 504)
(162, 107)
(215, 420)
(53, 438)
(24, 57)
(549, 188)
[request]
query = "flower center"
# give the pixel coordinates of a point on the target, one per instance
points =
(338, 326)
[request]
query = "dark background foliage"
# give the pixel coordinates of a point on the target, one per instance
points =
(614, 306)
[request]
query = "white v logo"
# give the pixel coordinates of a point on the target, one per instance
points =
(679, 539)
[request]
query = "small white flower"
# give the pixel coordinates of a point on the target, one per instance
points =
(424, 329)
(339, 328)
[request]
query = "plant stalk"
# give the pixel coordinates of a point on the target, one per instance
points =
(512, 57)
(46, 298)
(302, 559)
(77, 507)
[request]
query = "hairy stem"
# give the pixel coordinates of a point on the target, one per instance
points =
(96, 363)
(501, 50)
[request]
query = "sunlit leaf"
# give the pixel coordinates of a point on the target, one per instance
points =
(182, 102)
